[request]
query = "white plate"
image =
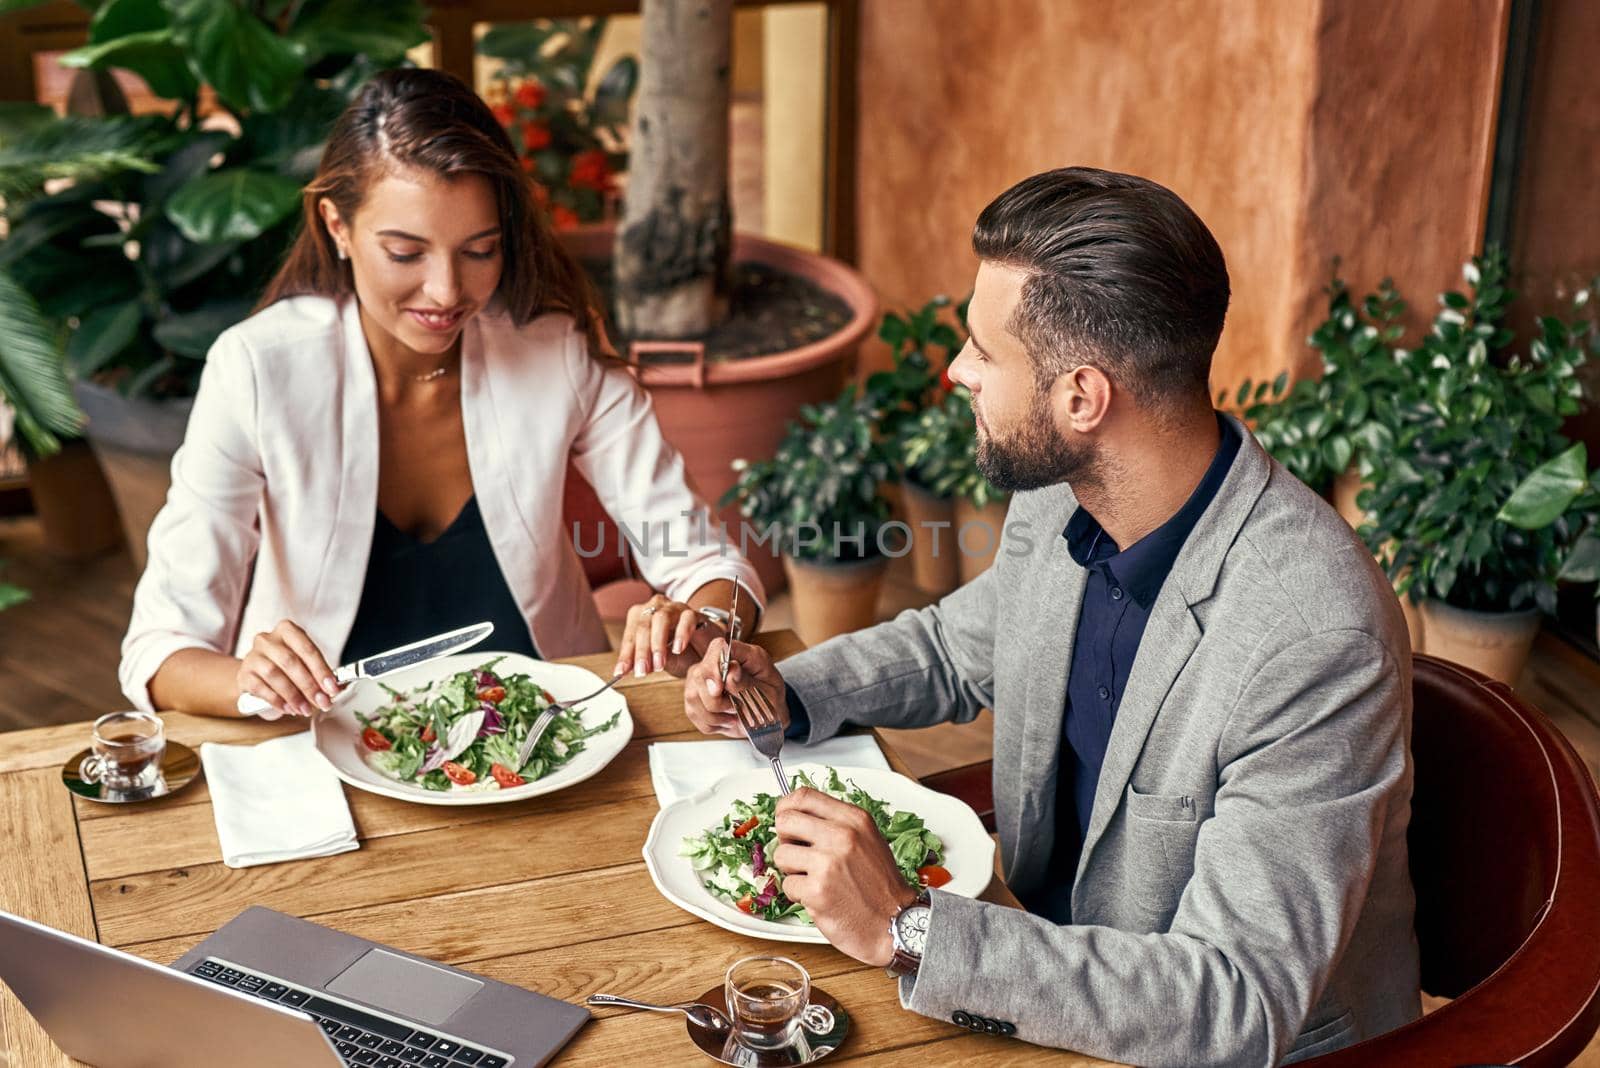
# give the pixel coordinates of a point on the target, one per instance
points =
(338, 732)
(968, 853)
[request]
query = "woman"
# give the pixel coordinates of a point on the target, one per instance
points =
(378, 454)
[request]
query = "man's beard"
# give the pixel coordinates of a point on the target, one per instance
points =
(1035, 454)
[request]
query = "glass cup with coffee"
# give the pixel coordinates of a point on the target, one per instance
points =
(127, 752)
(766, 996)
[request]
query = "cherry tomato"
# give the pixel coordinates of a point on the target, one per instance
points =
(373, 739)
(493, 694)
(932, 875)
(746, 827)
(505, 776)
(459, 775)
(427, 733)
(746, 904)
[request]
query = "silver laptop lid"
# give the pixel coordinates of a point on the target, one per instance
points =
(114, 1010)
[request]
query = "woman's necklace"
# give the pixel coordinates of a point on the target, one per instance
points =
(431, 375)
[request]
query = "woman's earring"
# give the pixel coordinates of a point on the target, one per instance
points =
(343, 255)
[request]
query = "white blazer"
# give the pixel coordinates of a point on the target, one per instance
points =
(275, 489)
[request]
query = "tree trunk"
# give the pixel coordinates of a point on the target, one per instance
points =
(677, 226)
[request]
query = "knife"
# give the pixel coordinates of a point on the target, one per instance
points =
(393, 660)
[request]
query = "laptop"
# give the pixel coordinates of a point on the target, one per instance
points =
(269, 990)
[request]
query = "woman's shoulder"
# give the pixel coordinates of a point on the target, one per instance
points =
(293, 322)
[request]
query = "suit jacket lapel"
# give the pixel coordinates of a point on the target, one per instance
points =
(1173, 632)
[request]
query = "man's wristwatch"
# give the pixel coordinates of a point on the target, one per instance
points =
(731, 624)
(908, 931)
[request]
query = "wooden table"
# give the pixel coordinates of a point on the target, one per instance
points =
(550, 894)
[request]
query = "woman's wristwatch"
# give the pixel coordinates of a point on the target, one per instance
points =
(908, 931)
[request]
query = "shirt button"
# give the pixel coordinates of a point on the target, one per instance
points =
(1116, 593)
(1104, 693)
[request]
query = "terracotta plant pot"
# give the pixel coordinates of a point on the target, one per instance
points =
(1495, 643)
(935, 560)
(717, 411)
(73, 503)
(134, 441)
(834, 598)
(978, 535)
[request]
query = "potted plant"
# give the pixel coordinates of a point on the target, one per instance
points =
(1562, 491)
(1468, 430)
(909, 395)
(173, 223)
(819, 499)
(1324, 429)
(726, 330)
(570, 142)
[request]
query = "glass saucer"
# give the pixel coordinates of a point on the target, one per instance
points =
(824, 1025)
(179, 767)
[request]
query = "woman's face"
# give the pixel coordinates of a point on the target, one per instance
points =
(425, 252)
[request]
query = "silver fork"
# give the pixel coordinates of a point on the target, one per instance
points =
(548, 716)
(764, 729)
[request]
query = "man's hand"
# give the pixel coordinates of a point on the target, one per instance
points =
(837, 865)
(749, 667)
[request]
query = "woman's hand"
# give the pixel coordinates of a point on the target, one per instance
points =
(663, 635)
(750, 667)
(285, 668)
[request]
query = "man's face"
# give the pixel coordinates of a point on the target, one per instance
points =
(1021, 446)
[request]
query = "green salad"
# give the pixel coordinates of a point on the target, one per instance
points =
(464, 732)
(734, 857)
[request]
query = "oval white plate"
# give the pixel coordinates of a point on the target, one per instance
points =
(338, 732)
(968, 850)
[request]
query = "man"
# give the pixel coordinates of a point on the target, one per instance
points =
(1201, 686)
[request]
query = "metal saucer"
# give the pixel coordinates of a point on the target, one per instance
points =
(824, 1025)
(179, 767)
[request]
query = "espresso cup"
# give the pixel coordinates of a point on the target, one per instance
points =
(126, 752)
(766, 996)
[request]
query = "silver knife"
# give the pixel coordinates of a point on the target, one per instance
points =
(393, 660)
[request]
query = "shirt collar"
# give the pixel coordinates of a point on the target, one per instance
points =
(1142, 568)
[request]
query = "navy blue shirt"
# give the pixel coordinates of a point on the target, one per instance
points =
(1119, 591)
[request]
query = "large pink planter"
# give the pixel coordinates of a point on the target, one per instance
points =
(715, 411)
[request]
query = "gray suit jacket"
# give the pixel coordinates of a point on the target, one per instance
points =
(1242, 896)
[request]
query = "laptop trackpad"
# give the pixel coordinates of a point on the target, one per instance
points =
(404, 987)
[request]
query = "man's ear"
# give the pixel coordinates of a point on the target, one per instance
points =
(1081, 398)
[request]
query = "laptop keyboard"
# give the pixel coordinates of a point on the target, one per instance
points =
(361, 1037)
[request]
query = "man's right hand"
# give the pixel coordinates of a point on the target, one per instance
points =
(285, 668)
(708, 706)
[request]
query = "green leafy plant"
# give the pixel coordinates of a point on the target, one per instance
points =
(570, 142)
(1469, 431)
(820, 491)
(169, 226)
(922, 345)
(1562, 490)
(939, 449)
(1320, 426)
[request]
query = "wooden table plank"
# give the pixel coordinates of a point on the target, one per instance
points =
(42, 879)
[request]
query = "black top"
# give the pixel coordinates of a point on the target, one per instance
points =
(415, 589)
(1118, 594)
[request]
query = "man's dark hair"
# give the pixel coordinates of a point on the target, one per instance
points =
(1123, 276)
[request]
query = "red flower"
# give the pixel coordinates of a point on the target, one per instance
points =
(535, 135)
(527, 164)
(563, 217)
(541, 195)
(504, 114)
(530, 94)
(590, 169)
(944, 378)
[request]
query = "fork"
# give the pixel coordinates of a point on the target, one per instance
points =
(764, 729)
(548, 716)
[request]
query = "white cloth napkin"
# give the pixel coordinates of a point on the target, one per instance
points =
(279, 800)
(682, 769)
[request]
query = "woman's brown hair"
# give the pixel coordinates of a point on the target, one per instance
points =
(432, 121)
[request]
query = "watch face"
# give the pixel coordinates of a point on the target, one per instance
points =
(912, 926)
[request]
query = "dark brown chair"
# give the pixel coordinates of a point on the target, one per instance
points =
(1505, 858)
